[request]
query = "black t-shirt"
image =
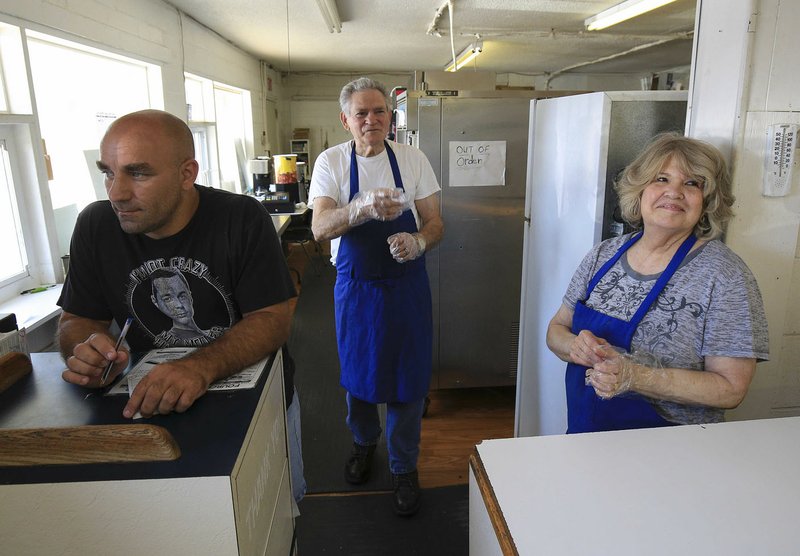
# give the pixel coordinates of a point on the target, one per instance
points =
(183, 290)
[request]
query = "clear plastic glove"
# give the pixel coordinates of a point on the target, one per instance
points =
(384, 204)
(587, 349)
(619, 371)
(406, 247)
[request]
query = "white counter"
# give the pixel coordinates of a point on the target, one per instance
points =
(32, 309)
(38, 314)
(228, 494)
(729, 488)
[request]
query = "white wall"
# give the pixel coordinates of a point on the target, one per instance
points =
(463, 80)
(744, 81)
(272, 88)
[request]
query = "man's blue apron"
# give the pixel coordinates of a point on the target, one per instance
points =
(586, 412)
(384, 326)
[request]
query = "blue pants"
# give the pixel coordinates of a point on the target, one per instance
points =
(403, 425)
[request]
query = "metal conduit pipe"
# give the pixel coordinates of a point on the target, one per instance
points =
(680, 36)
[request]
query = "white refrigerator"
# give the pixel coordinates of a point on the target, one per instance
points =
(577, 145)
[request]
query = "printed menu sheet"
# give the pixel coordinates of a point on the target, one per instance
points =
(247, 378)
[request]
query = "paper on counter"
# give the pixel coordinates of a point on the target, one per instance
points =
(244, 379)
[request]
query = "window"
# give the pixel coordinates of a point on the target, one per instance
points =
(205, 140)
(220, 117)
(79, 92)
(199, 98)
(13, 254)
(13, 89)
(232, 136)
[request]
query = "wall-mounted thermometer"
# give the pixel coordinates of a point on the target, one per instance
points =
(779, 159)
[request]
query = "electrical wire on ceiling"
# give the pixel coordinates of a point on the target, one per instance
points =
(433, 28)
(288, 41)
(452, 43)
(183, 40)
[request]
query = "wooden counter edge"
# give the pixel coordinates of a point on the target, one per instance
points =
(86, 444)
(13, 366)
(492, 506)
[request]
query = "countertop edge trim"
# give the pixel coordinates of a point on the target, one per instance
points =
(492, 506)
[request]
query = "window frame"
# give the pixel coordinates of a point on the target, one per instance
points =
(3, 94)
(203, 118)
(31, 203)
(9, 154)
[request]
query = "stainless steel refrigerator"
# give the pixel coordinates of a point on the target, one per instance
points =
(578, 146)
(475, 271)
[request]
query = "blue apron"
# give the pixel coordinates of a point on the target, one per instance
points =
(384, 326)
(586, 412)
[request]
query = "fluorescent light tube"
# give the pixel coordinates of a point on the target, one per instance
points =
(330, 14)
(465, 57)
(621, 12)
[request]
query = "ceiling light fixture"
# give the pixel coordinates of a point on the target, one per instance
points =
(621, 12)
(330, 14)
(465, 57)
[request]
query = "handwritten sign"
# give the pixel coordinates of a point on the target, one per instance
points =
(474, 163)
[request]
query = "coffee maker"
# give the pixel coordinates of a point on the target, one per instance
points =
(262, 178)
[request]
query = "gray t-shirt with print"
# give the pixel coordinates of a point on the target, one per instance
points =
(711, 307)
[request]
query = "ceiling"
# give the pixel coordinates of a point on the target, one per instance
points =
(532, 37)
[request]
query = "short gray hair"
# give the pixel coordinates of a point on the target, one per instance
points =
(358, 85)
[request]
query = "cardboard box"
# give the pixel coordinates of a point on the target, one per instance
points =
(301, 133)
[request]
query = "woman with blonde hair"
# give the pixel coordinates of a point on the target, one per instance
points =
(664, 325)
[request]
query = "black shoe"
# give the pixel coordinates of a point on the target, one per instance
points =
(406, 493)
(356, 470)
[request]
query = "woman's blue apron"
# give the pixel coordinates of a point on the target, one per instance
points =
(384, 325)
(586, 412)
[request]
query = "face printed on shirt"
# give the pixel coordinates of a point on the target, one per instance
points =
(185, 307)
(171, 294)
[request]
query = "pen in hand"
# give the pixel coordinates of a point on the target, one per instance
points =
(122, 335)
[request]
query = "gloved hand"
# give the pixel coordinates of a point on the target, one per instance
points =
(621, 372)
(406, 247)
(384, 204)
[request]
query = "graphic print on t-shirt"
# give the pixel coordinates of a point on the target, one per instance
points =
(178, 302)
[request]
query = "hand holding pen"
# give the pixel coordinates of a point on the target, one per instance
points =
(121, 338)
(90, 352)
